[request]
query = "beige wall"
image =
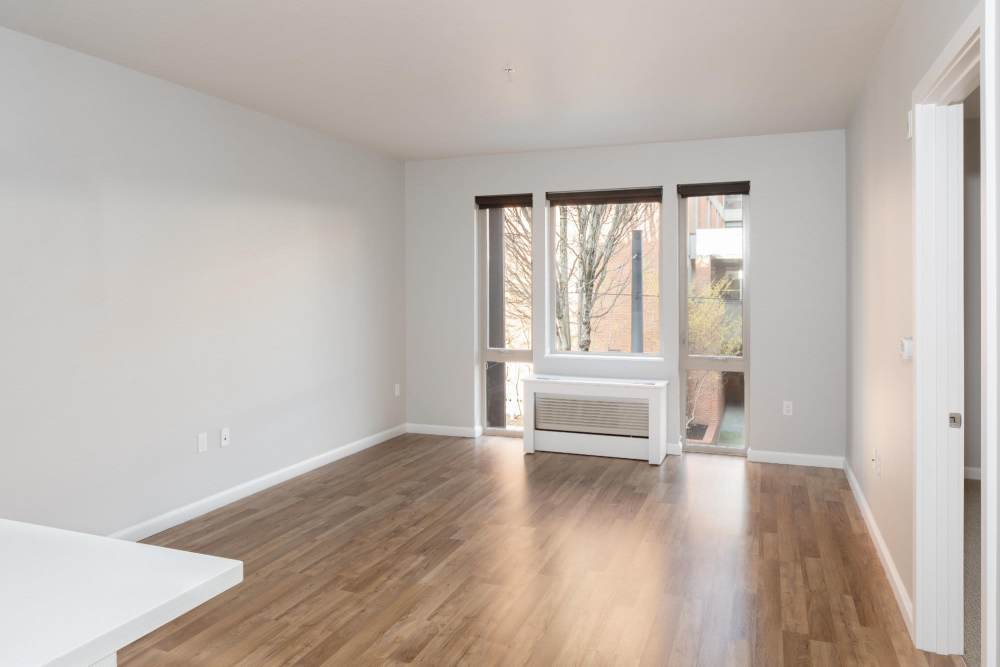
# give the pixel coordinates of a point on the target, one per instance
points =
(880, 268)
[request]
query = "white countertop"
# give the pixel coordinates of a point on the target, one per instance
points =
(70, 598)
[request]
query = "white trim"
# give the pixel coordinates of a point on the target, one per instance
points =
(674, 449)
(795, 458)
(955, 72)
(973, 473)
(503, 432)
(721, 450)
(157, 524)
(453, 431)
(884, 555)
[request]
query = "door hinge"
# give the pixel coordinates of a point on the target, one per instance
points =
(955, 419)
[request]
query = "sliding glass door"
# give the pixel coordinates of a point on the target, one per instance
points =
(714, 318)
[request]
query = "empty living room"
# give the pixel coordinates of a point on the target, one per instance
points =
(650, 332)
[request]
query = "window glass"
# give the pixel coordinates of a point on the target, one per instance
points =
(509, 277)
(607, 274)
(505, 393)
(715, 275)
(715, 414)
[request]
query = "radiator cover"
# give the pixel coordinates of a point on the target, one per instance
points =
(620, 418)
(580, 414)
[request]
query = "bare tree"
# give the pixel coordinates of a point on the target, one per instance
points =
(592, 265)
(517, 277)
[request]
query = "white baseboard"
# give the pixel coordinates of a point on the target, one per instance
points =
(674, 449)
(895, 581)
(454, 431)
(795, 459)
(141, 531)
(973, 473)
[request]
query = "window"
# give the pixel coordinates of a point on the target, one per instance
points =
(606, 266)
(505, 270)
(715, 275)
(713, 350)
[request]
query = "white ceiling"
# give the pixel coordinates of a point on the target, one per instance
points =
(420, 79)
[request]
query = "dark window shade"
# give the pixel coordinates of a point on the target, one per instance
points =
(503, 201)
(630, 196)
(709, 189)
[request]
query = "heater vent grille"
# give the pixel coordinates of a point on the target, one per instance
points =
(607, 416)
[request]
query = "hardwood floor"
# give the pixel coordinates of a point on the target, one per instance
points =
(442, 551)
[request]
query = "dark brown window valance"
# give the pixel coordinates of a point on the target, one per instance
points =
(709, 189)
(502, 201)
(628, 196)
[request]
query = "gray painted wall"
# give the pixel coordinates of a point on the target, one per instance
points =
(797, 273)
(172, 263)
(880, 272)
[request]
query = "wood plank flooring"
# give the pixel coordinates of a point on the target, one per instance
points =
(440, 551)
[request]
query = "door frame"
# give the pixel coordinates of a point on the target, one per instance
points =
(938, 606)
(707, 362)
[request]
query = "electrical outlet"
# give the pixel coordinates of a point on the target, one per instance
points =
(396, 389)
(202, 442)
(787, 408)
(225, 437)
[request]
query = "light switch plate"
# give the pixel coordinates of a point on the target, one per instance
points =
(225, 437)
(202, 442)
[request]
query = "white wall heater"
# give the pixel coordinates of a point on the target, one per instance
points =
(619, 418)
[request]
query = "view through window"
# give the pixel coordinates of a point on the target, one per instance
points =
(714, 358)
(607, 271)
(506, 251)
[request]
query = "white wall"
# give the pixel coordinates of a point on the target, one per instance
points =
(797, 281)
(880, 272)
(171, 263)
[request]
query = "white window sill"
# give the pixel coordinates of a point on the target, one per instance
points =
(605, 356)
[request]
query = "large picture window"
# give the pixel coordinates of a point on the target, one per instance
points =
(606, 266)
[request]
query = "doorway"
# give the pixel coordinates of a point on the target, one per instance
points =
(954, 220)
